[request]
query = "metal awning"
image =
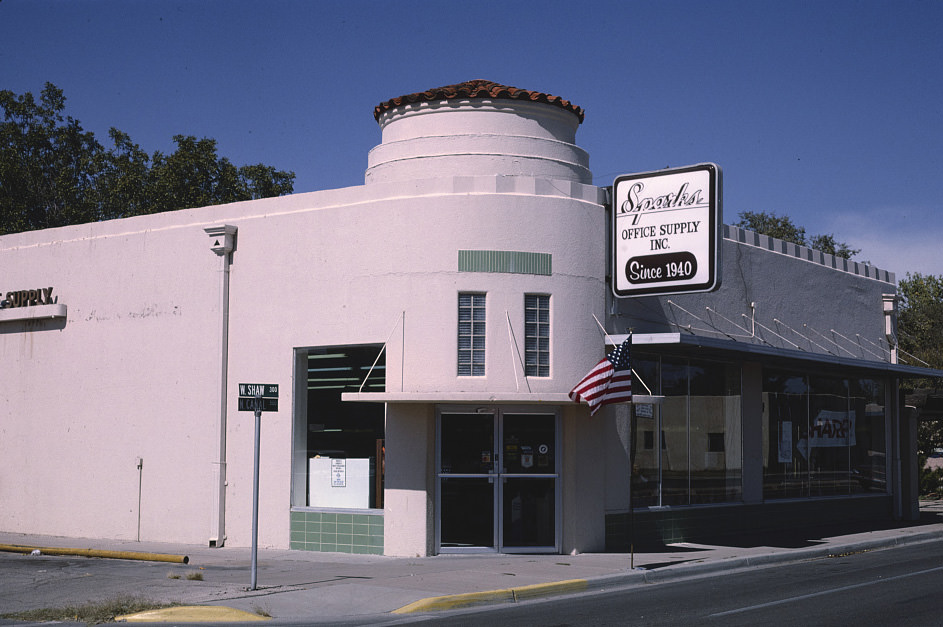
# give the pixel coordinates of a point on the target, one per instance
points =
(687, 340)
(462, 398)
(744, 350)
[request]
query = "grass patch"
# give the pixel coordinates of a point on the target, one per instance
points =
(195, 576)
(262, 610)
(90, 613)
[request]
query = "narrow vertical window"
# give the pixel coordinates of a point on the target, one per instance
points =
(537, 335)
(471, 335)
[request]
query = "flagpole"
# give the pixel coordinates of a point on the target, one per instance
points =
(631, 492)
(631, 524)
(631, 442)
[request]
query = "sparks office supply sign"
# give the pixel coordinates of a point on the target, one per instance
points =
(666, 231)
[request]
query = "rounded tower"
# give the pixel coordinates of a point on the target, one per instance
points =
(490, 129)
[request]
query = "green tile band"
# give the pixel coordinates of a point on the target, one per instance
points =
(336, 532)
(506, 261)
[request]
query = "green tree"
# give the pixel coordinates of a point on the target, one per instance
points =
(124, 180)
(194, 176)
(920, 317)
(827, 244)
(53, 173)
(920, 327)
(782, 227)
(48, 164)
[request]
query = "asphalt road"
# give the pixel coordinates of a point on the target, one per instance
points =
(900, 586)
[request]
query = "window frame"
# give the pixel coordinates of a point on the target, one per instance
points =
(356, 372)
(537, 359)
(471, 347)
(684, 478)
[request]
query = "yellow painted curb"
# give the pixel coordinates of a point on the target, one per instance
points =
(192, 614)
(127, 555)
(520, 593)
(546, 589)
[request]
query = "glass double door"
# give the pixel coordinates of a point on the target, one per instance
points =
(497, 475)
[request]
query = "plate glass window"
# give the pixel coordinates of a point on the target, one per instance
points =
(700, 458)
(338, 446)
(537, 335)
(823, 436)
(471, 335)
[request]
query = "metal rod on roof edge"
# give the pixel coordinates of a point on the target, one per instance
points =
(606, 333)
(383, 348)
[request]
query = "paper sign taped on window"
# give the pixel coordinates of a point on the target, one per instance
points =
(338, 473)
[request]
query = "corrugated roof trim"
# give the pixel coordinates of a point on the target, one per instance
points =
(751, 238)
(477, 89)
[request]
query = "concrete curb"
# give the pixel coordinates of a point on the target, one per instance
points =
(192, 614)
(507, 595)
(127, 555)
(682, 571)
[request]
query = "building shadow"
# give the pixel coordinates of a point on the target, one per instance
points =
(747, 528)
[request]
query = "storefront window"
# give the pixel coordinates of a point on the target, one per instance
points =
(700, 460)
(675, 468)
(823, 436)
(786, 420)
(644, 456)
(827, 444)
(339, 446)
(869, 446)
(716, 458)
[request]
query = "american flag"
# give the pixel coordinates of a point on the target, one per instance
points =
(610, 381)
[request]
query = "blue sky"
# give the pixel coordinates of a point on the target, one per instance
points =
(828, 112)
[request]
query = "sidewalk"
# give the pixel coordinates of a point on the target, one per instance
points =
(324, 586)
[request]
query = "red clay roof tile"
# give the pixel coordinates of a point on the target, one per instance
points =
(477, 89)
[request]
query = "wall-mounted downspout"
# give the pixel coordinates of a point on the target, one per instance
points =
(890, 323)
(890, 333)
(222, 240)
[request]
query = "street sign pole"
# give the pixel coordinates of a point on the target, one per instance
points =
(257, 397)
(255, 493)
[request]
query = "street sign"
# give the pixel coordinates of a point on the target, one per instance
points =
(265, 390)
(258, 397)
(262, 404)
